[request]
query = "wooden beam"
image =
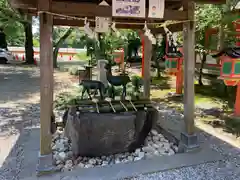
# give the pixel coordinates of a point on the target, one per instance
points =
(70, 22)
(147, 67)
(189, 68)
(32, 4)
(92, 10)
(23, 4)
(46, 81)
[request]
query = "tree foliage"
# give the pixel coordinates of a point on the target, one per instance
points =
(11, 22)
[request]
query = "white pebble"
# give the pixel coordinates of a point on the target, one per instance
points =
(137, 158)
(68, 164)
(164, 140)
(88, 166)
(156, 153)
(137, 151)
(60, 166)
(92, 161)
(171, 152)
(130, 158)
(62, 156)
(117, 161)
(104, 163)
(166, 146)
(160, 136)
(175, 148)
(141, 155)
(154, 132)
(81, 165)
(156, 146)
(155, 139)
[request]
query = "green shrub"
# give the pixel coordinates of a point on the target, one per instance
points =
(137, 82)
(73, 71)
(65, 99)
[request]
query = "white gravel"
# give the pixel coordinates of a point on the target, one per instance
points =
(156, 145)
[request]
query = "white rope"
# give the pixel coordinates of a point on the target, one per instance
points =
(164, 24)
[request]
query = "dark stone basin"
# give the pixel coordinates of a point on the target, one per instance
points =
(97, 134)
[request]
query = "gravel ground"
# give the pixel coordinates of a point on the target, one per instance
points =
(227, 169)
(19, 112)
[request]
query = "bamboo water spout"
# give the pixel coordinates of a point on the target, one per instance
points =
(96, 102)
(119, 98)
(129, 99)
(109, 101)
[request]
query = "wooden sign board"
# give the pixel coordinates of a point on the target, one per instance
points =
(129, 8)
(156, 9)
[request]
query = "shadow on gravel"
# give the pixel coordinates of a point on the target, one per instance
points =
(22, 157)
(18, 82)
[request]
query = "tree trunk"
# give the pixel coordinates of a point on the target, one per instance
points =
(204, 58)
(221, 37)
(58, 45)
(29, 53)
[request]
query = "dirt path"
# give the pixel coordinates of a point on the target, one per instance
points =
(19, 109)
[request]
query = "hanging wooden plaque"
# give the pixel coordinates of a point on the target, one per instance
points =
(102, 24)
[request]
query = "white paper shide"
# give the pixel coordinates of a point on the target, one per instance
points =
(156, 8)
(102, 24)
(129, 8)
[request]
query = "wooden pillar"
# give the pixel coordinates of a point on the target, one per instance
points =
(189, 68)
(237, 103)
(46, 81)
(142, 38)
(147, 66)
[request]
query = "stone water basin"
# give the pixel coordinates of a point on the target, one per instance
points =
(95, 134)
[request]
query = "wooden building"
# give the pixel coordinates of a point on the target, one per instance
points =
(60, 12)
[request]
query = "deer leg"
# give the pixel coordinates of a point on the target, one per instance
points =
(83, 91)
(88, 92)
(95, 92)
(101, 93)
(124, 93)
(113, 92)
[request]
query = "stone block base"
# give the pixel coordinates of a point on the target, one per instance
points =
(45, 165)
(189, 142)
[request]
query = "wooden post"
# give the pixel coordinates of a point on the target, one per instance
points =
(147, 66)
(142, 38)
(189, 68)
(189, 139)
(46, 81)
(237, 103)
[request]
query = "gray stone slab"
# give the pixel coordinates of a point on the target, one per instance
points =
(118, 171)
(31, 152)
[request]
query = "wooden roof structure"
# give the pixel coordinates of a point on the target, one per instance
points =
(91, 9)
(57, 12)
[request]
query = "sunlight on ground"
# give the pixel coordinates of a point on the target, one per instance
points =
(200, 100)
(7, 144)
(219, 133)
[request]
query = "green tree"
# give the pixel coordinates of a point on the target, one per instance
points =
(59, 37)
(214, 16)
(15, 23)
